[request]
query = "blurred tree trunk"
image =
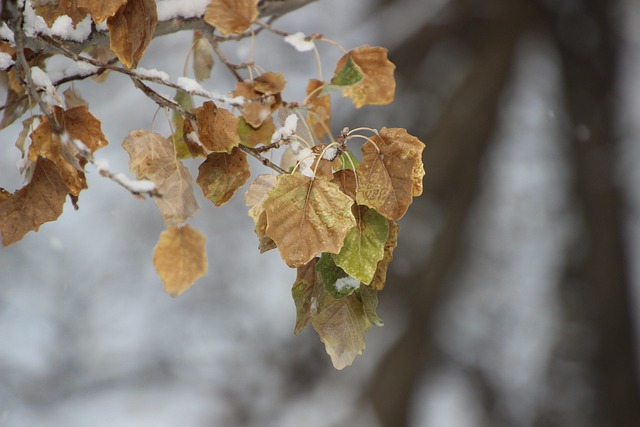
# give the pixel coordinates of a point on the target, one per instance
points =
(596, 289)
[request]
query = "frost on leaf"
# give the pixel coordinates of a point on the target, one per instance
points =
(307, 216)
(202, 57)
(251, 136)
(222, 174)
(79, 124)
(380, 276)
(319, 109)
(101, 9)
(231, 16)
(377, 86)
(40, 201)
(180, 258)
(217, 128)
(152, 157)
(388, 180)
(364, 245)
(131, 30)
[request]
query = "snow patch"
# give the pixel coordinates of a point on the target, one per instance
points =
(347, 284)
(152, 74)
(6, 33)
(299, 41)
(5, 61)
(170, 9)
(286, 131)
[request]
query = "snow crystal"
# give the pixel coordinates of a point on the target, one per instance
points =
(330, 153)
(298, 41)
(170, 9)
(6, 33)
(286, 131)
(152, 74)
(346, 284)
(5, 61)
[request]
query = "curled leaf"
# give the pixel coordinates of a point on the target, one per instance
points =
(378, 85)
(222, 174)
(307, 216)
(131, 30)
(101, 9)
(380, 276)
(180, 258)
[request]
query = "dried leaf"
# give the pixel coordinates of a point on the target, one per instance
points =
(192, 140)
(305, 292)
(319, 109)
(152, 157)
(202, 56)
(269, 83)
(103, 54)
(257, 193)
(388, 179)
(131, 30)
(378, 85)
(40, 201)
(380, 276)
(101, 9)
(307, 216)
(346, 180)
(231, 16)
(217, 128)
(222, 174)
(257, 106)
(250, 136)
(185, 100)
(73, 99)
(180, 258)
(341, 325)
(15, 108)
(370, 304)
(53, 10)
(364, 245)
(265, 243)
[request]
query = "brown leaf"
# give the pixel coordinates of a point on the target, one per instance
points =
(388, 180)
(265, 243)
(40, 201)
(222, 174)
(319, 112)
(4, 195)
(378, 85)
(250, 136)
(202, 56)
(231, 16)
(269, 83)
(73, 99)
(131, 30)
(306, 290)
(53, 10)
(152, 157)
(15, 91)
(101, 9)
(217, 128)
(180, 258)
(346, 180)
(103, 54)
(380, 276)
(257, 106)
(307, 216)
(192, 140)
(254, 197)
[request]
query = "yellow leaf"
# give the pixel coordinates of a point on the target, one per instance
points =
(231, 16)
(180, 258)
(319, 112)
(40, 201)
(202, 56)
(131, 30)
(388, 179)
(269, 83)
(217, 128)
(307, 216)
(222, 174)
(101, 9)
(378, 85)
(153, 157)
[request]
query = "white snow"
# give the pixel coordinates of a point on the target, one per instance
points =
(152, 74)
(138, 186)
(330, 153)
(5, 61)
(286, 131)
(101, 165)
(62, 27)
(305, 160)
(41, 79)
(170, 9)
(190, 85)
(298, 40)
(6, 33)
(345, 284)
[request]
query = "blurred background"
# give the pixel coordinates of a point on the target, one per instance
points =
(513, 296)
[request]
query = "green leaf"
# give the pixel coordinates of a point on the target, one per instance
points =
(222, 174)
(349, 161)
(349, 75)
(338, 283)
(370, 304)
(364, 245)
(185, 100)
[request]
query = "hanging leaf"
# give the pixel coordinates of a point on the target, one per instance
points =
(180, 258)
(377, 86)
(388, 180)
(370, 304)
(40, 201)
(217, 128)
(202, 56)
(222, 174)
(307, 216)
(380, 276)
(53, 10)
(131, 30)
(15, 91)
(101, 9)
(265, 243)
(319, 109)
(364, 245)
(306, 290)
(257, 106)
(338, 283)
(250, 136)
(152, 157)
(257, 193)
(192, 140)
(269, 83)
(185, 100)
(346, 180)
(231, 16)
